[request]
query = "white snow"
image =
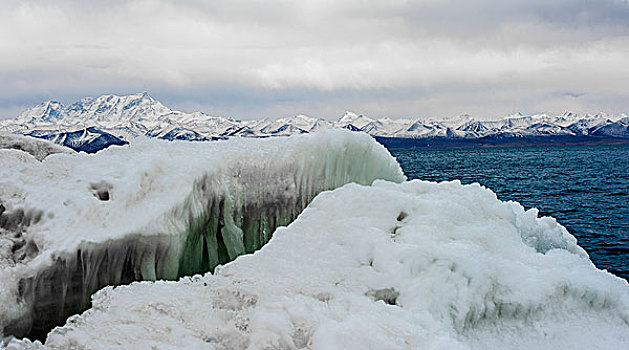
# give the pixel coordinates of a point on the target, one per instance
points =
(157, 210)
(389, 266)
(37, 148)
(416, 265)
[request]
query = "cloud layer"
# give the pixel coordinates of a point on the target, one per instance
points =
(276, 58)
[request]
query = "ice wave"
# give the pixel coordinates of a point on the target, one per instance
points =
(416, 265)
(156, 210)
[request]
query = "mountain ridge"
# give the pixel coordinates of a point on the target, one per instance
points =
(120, 118)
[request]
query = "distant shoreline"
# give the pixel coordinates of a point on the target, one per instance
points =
(490, 142)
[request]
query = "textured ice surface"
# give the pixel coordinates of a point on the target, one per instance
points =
(73, 224)
(38, 148)
(416, 265)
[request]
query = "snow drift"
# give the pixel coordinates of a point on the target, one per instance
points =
(38, 148)
(392, 266)
(73, 224)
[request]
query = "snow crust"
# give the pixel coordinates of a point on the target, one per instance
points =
(37, 148)
(416, 265)
(73, 224)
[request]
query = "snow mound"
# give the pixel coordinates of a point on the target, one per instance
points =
(39, 149)
(73, 224)
(392, 266)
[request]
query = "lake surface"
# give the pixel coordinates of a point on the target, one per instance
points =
(586, 188)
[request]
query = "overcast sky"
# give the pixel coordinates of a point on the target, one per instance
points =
(253, 59)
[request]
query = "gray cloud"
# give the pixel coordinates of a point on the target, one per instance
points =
(274, 58)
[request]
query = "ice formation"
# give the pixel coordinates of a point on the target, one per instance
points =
(37, 148)
(416, 265)
(73, 224)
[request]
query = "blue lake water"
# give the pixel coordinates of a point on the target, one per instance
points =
(586, 188)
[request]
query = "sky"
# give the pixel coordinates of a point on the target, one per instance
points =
(381, 58)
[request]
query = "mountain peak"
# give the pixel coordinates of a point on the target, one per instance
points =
(143, 95)
(111, 98)
(354, 119)
(568, 114)
(514, 115)
(348, 116)
(108, 108)
(49, 111)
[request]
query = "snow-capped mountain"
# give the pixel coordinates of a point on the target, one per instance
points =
(90, 123)
(88, 140)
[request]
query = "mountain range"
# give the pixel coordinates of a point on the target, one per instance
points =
(91, 124)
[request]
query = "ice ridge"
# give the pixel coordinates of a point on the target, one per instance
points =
(74, 224)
